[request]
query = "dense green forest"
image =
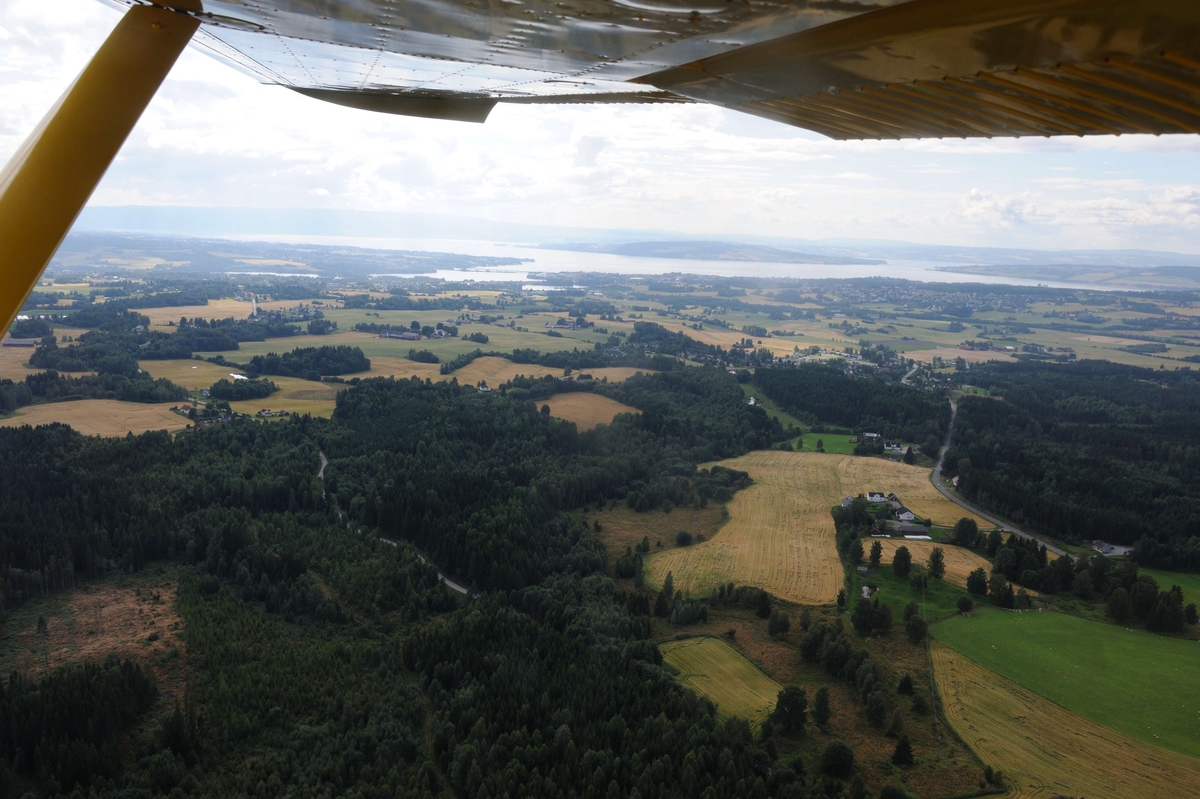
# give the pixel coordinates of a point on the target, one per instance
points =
(1084, 451)
(233, 390)
(326, 657)
(819, 393)
(49, 386)
(311, 362)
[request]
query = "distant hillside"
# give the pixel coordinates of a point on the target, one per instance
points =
(711, 251)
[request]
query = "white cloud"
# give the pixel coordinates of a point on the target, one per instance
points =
(215, 137)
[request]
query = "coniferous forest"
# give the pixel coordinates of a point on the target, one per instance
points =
(326, 657)
(1093, 450)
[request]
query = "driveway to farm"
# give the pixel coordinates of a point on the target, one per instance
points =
(936, 477)
(449, 583)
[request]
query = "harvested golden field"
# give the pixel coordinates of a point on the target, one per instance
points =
(948, 354)
(910, 483)
(727, 338)
(191, 374)
(400, 368)
(959, 562)
(780, 535)
(615, 374)
(498, 370)
(13, 362)
(100, 417)
(714, 669)
(1046, 750)
(586, 410)
(216, 309)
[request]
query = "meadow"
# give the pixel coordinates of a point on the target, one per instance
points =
(842, 443)
(1137, 683)
(100, 417)
(715, 670)
(1045, 750)
(586, 410)
(780, 535)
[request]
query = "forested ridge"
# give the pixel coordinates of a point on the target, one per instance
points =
(816, 393)
(1092, 450)
(321, 654)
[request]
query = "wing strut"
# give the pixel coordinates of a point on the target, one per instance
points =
(50, 178)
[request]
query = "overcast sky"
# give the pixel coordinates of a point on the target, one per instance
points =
(214, 137)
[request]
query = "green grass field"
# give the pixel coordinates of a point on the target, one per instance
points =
(1135, 682)
(938, 599)
(835, 443)
(1190, 583)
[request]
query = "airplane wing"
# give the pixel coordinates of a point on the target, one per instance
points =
(849, 69)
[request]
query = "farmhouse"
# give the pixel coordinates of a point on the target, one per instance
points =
(906, 529)
(1102, 547)
(876, 496)
(847, 501)
(905, 515)
(403, 335)
(20, 342)
(868, 438)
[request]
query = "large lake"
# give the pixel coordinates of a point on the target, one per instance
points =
(544, 261)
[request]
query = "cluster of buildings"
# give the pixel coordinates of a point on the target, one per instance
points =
(906, 521)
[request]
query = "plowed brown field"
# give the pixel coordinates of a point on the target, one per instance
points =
(1046, 750)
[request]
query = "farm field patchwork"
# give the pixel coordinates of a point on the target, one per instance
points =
(1046, 750)
(100, 417)
(780, 535)
(1138, 683)
(586, 410)
(959, 562)
(949, 354)
(714, 669)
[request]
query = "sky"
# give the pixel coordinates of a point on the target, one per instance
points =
(216, 138)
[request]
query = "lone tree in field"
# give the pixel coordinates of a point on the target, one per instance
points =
(837, 759)
(903, 756)
(821, 711)
(876, 553)
(911, 609)
(791, 710)
(863, 617)
(966, 533)
(937, 563)
(977, 582)
(902, 562)
(966, 604)
(841, 599)
(909, 458)
(916, 628)
(779, 624)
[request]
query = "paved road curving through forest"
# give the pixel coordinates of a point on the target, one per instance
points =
(936, 477)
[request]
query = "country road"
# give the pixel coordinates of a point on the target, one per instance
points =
(449, 583)
(936, 477)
